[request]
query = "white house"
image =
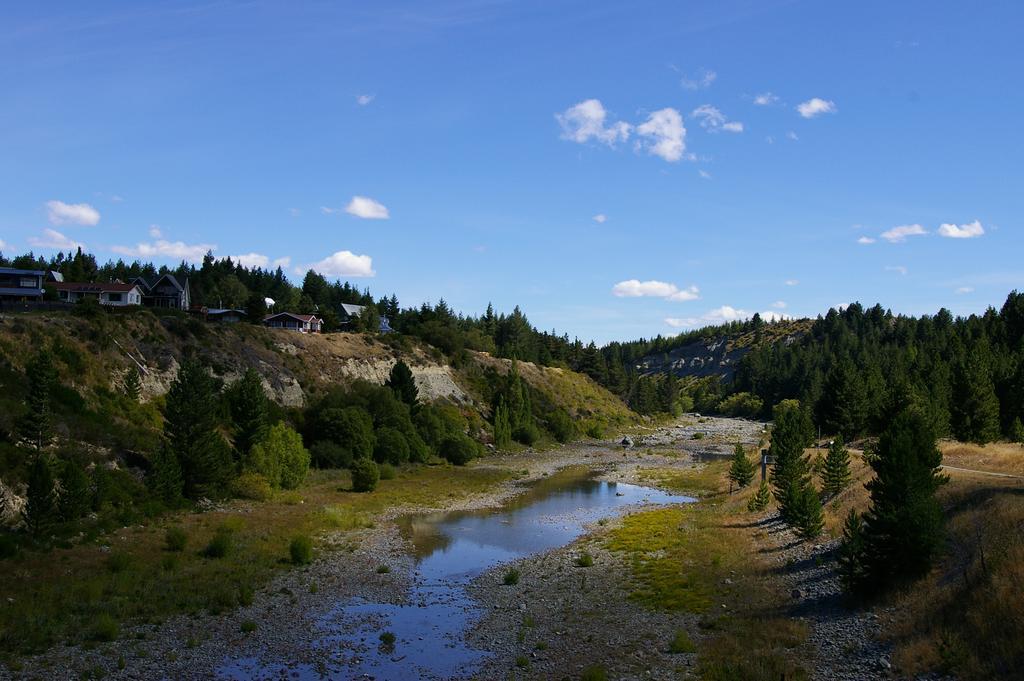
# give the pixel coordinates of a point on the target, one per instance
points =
(115, 294)
(303, 323)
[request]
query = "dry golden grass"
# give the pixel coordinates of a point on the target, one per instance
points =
(997, 457)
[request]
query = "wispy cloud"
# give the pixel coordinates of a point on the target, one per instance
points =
(713, 120)
(900, 233)
(363, 100)
(634, 288)
(779, 304)
(60, 213)
(866, 240)
(765, 99)
(294, 212)
(900, 269)
(600, 218)
(367, 208)
(792, 136)
(251, 260)
(700, 80)
(162, 248)
(282, 262)
(343, 264)
(963, 290)
(719, 315)
(792, 282)
(705, 174)
(53, 239)
(815, 107)
(664, 134)
(155, 232)
(588, 121)
(971, 230)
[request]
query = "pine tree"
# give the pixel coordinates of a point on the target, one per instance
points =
(843, 405)
(761, 498)
(35, 424)
(976, 407)
(668, 393)
(192, 431)
(902, 530)
(132, 384)
(73, 502)
(40, 505)
(741, 471)
(851, 553)
(165, 476)
(836, 475)
(403, 384)
(791, 434)
(502, 427)
(248, 405)
(809, 520)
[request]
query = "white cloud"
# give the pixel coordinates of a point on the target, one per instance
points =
(964, 289)
(705, 174)
(60, 213)
(295, 212)
(600, 218)
(815, 107)
(792, 282)
(327, 210)
(765, 99)
(769, 139)
(713, 120)
(665, 134)
(155, 232)
(363, 100)
(968, 231)
(116, 199)
(344, 264)
(281, 262)
(719, 315)
(634, 288)
(792, 136)
(702, 79)
(53, 239)
(866, 240)
(779, 304)
(365, 207)
(161, 248)
(900, 233)
(773, 316)
(896, 268)
(586, 121)
(3, 244)
(251, 260)
(841, 306)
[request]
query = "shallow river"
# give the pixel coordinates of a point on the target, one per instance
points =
(451, 549)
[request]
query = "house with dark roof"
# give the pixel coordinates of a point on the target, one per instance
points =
(225, 315)
(303, 323)
(166, 291)
(116, 293)
(21, 285)
(350, 312)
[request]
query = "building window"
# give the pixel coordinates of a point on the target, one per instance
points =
(114, 297)
(29, 282)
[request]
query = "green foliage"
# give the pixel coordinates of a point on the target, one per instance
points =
(280, 457)
(791, 434)
(251, 485)
(836, 475)
(131, 384)
(561, 425)
(502, 427)
(327, 454)
(119, 561)
(220, 545)
(902, 531)
(300, 550)
(594, 672)
(40, 510)
(741, 404)
(104, 628)
(247, 403)
(175, 539)
(349, 427)
(387, 471)
(247, 626)
(852, 570)
(35, 425)
(75, 495)
(808, 520)
(192, 432)
(365, 475)
(511, 577)
(391, 447)
(387, 639)
(681, 643)
(843, 405)
(458, 449)
(164, 478)
(584, 560)
(975, 411)
(741, 471)
(761, 498)
(402, 383)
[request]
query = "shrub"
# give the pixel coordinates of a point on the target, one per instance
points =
(351, 428)
(595, 431)
(527, 433)
(280, 457)
(118, 561)
(681, 643)
(365, 475)
(561, 425)
(301, 550)
(387, 639)
(175, 539)
(697, 436)
(741, 404)
(584, 560)
(105, 628)
(383, 569)
(458, 449)
(387, 471)
(511, 577)
(392, 447)
(327, 454)
(594, 673)
(247, 627)
(219, 546)
(251, 485)
(522, 662)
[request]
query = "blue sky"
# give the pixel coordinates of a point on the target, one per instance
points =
(737, 151)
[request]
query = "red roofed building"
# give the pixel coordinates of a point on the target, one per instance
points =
(112, 293)
(303, 323)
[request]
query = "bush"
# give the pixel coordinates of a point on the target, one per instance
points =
(527, 433)
(681, 643)
(251, 485)
(594, 673)
(595, 431)
(458, 449)
(365, 475)
(105, 628)
(350, 428)
(511, 577)
(561, 425)
(219, 546)
(387, 471)
(175, 539)
(392, 447)
(327, 454)
(584, 560)
(383, 569)
(741, 404)
(280, 457)
(247, 627)
(118, 561)
(387, 639)
(301, 550)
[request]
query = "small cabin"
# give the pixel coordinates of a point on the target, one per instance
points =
(303, 323)
(115, 294)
